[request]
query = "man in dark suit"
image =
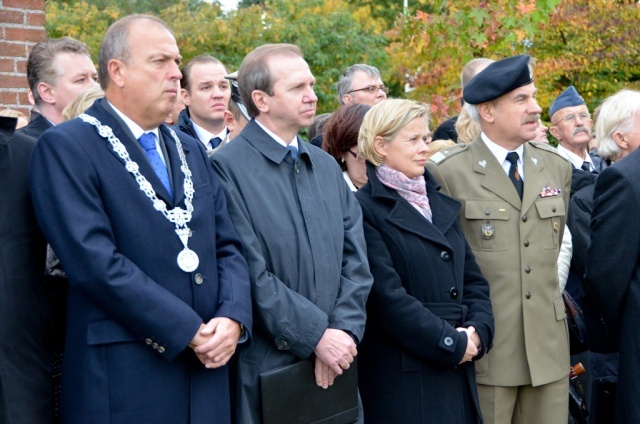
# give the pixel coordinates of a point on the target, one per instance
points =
(158, 287)
(612, 276)
(58, 69)
(26, 393)
(301, 228)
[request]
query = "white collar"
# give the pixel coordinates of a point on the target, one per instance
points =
(500, 152)
(573, 158)
(135, 129)
(273, 135)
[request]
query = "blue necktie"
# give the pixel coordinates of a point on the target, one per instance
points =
(215, 142)
(148, 143)
(294, 151)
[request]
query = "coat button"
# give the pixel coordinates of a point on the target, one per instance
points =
(526, 243)
(528, 295)
(155, 346)
(281, 344)
(148, 341)
(198, 278)
(161, 349)
(448, 341)
(453, 293)
(527, 269)
(524, 218)
(444, 255)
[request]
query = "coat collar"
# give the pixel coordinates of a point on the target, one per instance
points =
(107, 116)
(270, 148)
(404, 215)
(497, 181)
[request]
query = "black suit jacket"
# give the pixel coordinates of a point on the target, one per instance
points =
(26, 389)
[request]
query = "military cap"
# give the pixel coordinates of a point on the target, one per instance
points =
(497, 79)
(568, 98)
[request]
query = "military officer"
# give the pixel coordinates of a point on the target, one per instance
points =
(515, 196)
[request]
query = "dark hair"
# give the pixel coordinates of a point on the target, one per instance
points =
(255, 74)
(317, 126)
(40, 62)
(341, 131)
(186, 69)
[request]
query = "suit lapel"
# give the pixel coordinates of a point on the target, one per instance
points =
(534, 181)
(495, 179)
(175, 163)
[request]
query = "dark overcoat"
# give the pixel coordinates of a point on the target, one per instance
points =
(36, 126)
(26, 392)
(131, 310)
(613, 273)
(426, 283)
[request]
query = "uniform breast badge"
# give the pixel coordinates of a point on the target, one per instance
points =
(488, 231)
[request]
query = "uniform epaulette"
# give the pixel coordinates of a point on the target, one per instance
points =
(546, 147)
(447, 152)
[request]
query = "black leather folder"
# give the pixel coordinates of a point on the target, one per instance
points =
(290, 395)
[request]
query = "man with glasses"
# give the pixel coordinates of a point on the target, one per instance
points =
(571, 126)
(361, 84)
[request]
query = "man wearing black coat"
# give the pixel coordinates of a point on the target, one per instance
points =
(26, 392)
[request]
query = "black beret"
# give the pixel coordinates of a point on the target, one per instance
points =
(497, 79)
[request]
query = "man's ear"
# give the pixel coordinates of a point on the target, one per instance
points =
(347, 99)
(621, 140)
(186, 99)
(229, 120)
(554, 132)
(261, 100)
(46, 93)
(486, 111)
(117, 72)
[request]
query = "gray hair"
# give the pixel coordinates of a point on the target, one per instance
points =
(472, 68)
(115, 44)
(472, 111)
(617, 115)
(40, 62)
(344, 83)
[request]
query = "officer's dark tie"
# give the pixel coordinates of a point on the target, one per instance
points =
(215, 142)
(585, 166)
(514, 175)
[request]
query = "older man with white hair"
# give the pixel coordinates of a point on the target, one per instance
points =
(613, 265)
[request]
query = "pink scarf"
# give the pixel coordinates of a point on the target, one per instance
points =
(413, 190)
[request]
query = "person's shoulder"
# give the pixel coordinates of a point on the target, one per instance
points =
(447, 153)
(548, 151)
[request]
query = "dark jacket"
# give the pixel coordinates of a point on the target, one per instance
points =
(36, 126)
(426, 283)
(26, 393)
(613, 272)
(185, 124)
(131, 310)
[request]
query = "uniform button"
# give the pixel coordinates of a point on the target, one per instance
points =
(527, 269)
(453, 293)
(155, 345)
(526, 243)
(524, 218)
(444, 255)
(161, 349)
(448, 341)
(148, 341)
(553, 209)
(198, 278)
(487, 212)
(528, 295)
(281, 344)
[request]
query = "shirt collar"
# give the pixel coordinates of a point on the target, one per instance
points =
(135, 129)
(281, 142)
(575, 160)
(500, 152)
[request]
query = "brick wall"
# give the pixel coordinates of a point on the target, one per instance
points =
(21, 26)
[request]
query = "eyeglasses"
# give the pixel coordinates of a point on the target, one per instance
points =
(357, 156)
(571, 118)
(371, 89)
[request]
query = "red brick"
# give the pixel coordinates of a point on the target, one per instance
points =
(11, 17)
(8, 97)
(36, 19)
(23, 97)
(12, 49)
(6, 65)
(22, 66)
(24, 4)
(25, 34)
(12, 81)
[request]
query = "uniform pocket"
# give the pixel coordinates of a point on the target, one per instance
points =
(550, 210)
(486, 225)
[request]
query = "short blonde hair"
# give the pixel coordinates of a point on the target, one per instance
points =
(81, 103)
(12, 113)
(466, 128)
(385, 120)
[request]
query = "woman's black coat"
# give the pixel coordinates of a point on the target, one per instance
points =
(426, 283)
